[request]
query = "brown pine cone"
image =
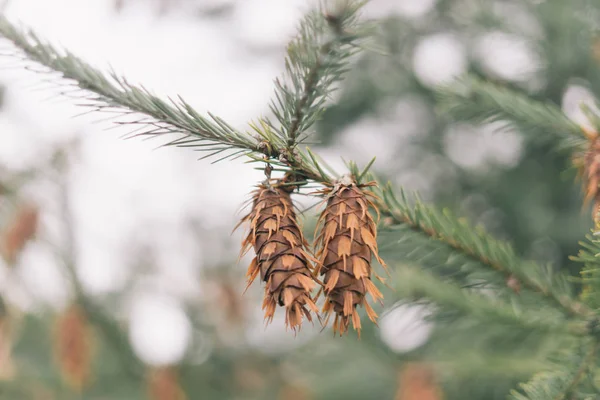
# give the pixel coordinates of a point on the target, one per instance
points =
(588, 164)
(73, 347)
(163, 384)
(280, 258)
(18, 232)
(345, 242)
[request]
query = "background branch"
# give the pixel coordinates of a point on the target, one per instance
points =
(473, 99)
(480, 246)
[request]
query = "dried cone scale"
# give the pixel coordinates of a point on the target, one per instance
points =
(345, 243)
(281, 259)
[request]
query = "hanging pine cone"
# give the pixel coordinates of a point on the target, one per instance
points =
(345, 242)
(280, 256)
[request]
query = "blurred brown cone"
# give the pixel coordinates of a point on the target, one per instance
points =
(345, 242)
(7, 366)
(163, 384)
(19, 231)
(294, 392)
(417, 382)
(281, 258)
(230, 300)
(73, 348)
(596, 49)
(588, 165)
(248, 377)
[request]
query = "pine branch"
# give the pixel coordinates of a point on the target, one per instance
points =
(564, 381)
(496, 255)
(112, 93)
(415, 284)
(473, 99)
(311, 76)
(589, 255)
(316, 59)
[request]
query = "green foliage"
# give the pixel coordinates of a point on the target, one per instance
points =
(590, 273)
(465, 250)
(563, 382)
(473, 99)
(412, 283)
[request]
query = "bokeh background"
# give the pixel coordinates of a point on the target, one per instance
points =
(147, 231)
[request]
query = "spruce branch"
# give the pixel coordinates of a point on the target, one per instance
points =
(564, 381)
(112, 93)
(499, 256)
(416, 284)
(473, 99)
(316, 59)
(589, 255)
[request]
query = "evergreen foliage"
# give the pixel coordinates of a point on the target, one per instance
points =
(473, 99)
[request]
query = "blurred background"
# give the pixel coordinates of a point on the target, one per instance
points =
(145, 233)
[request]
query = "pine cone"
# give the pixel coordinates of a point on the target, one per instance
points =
(163, 384)
(588, 164)
(73, 347)
(20, 230)
(280, 256)
(418, 382)
(345, 242)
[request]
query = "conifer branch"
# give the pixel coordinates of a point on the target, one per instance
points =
(589, 255)
(564, 381)
(584, 367)
(415, 284)
(316, 59)
(112, 93)
(444, 228)
(473, 99)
